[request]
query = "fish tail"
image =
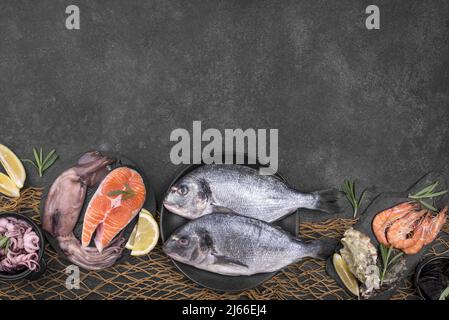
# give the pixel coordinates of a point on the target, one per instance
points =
(322, 248)
(326, 201)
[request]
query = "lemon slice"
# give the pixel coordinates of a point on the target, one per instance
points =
(345, 274)
(7, 187)
(132, 237)
(144, 236)
(13, 166)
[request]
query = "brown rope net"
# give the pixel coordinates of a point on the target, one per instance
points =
(154, 276)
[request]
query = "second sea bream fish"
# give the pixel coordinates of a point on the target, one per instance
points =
(241, 189)
(235, 245)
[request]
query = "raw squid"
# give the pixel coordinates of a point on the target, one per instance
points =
(22, 248)
(63, 206)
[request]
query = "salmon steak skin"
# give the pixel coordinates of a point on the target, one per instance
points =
(118, 199)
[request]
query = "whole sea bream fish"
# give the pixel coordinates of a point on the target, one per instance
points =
(235, 245)
(241, 189)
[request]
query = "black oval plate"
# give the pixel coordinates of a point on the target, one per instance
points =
(121, 161)
(380, 203)
(170, 222)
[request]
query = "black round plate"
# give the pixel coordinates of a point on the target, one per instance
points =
(121, 161)
(170, 222)
(423, 264)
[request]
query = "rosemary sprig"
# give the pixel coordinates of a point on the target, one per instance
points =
(387, 260)
(127, 193)
(4, 242)
(445, 294)
(42, 163)
(427, 193)
(348, 188)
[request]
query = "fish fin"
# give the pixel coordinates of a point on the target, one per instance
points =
(221, 209)
(321, 248)
(327, 200)
(227, 260)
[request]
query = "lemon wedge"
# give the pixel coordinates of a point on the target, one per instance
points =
(144, 236)
(345, 274)
(13, 166)
(7, 187)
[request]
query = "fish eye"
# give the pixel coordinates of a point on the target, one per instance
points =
(183, 190)
(182, 242)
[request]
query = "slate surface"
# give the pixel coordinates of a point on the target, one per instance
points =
(385, 201)
(371, 105)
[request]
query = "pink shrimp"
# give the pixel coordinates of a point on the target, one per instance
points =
(404, 233)
(383, 220)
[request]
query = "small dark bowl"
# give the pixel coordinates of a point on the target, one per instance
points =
(26, 273)
(419, 269)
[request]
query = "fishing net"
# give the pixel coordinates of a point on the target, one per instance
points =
(155, 277)
(28, 202)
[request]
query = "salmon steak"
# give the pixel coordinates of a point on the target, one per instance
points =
(118, 199)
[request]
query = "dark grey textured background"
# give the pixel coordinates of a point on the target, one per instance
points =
(348, 102)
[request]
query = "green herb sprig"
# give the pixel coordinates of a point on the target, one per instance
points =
(445, 294)
(4, 242)
(127, 193)
(42, 163)
(387, 260)
(427, 193)
(348, 188)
